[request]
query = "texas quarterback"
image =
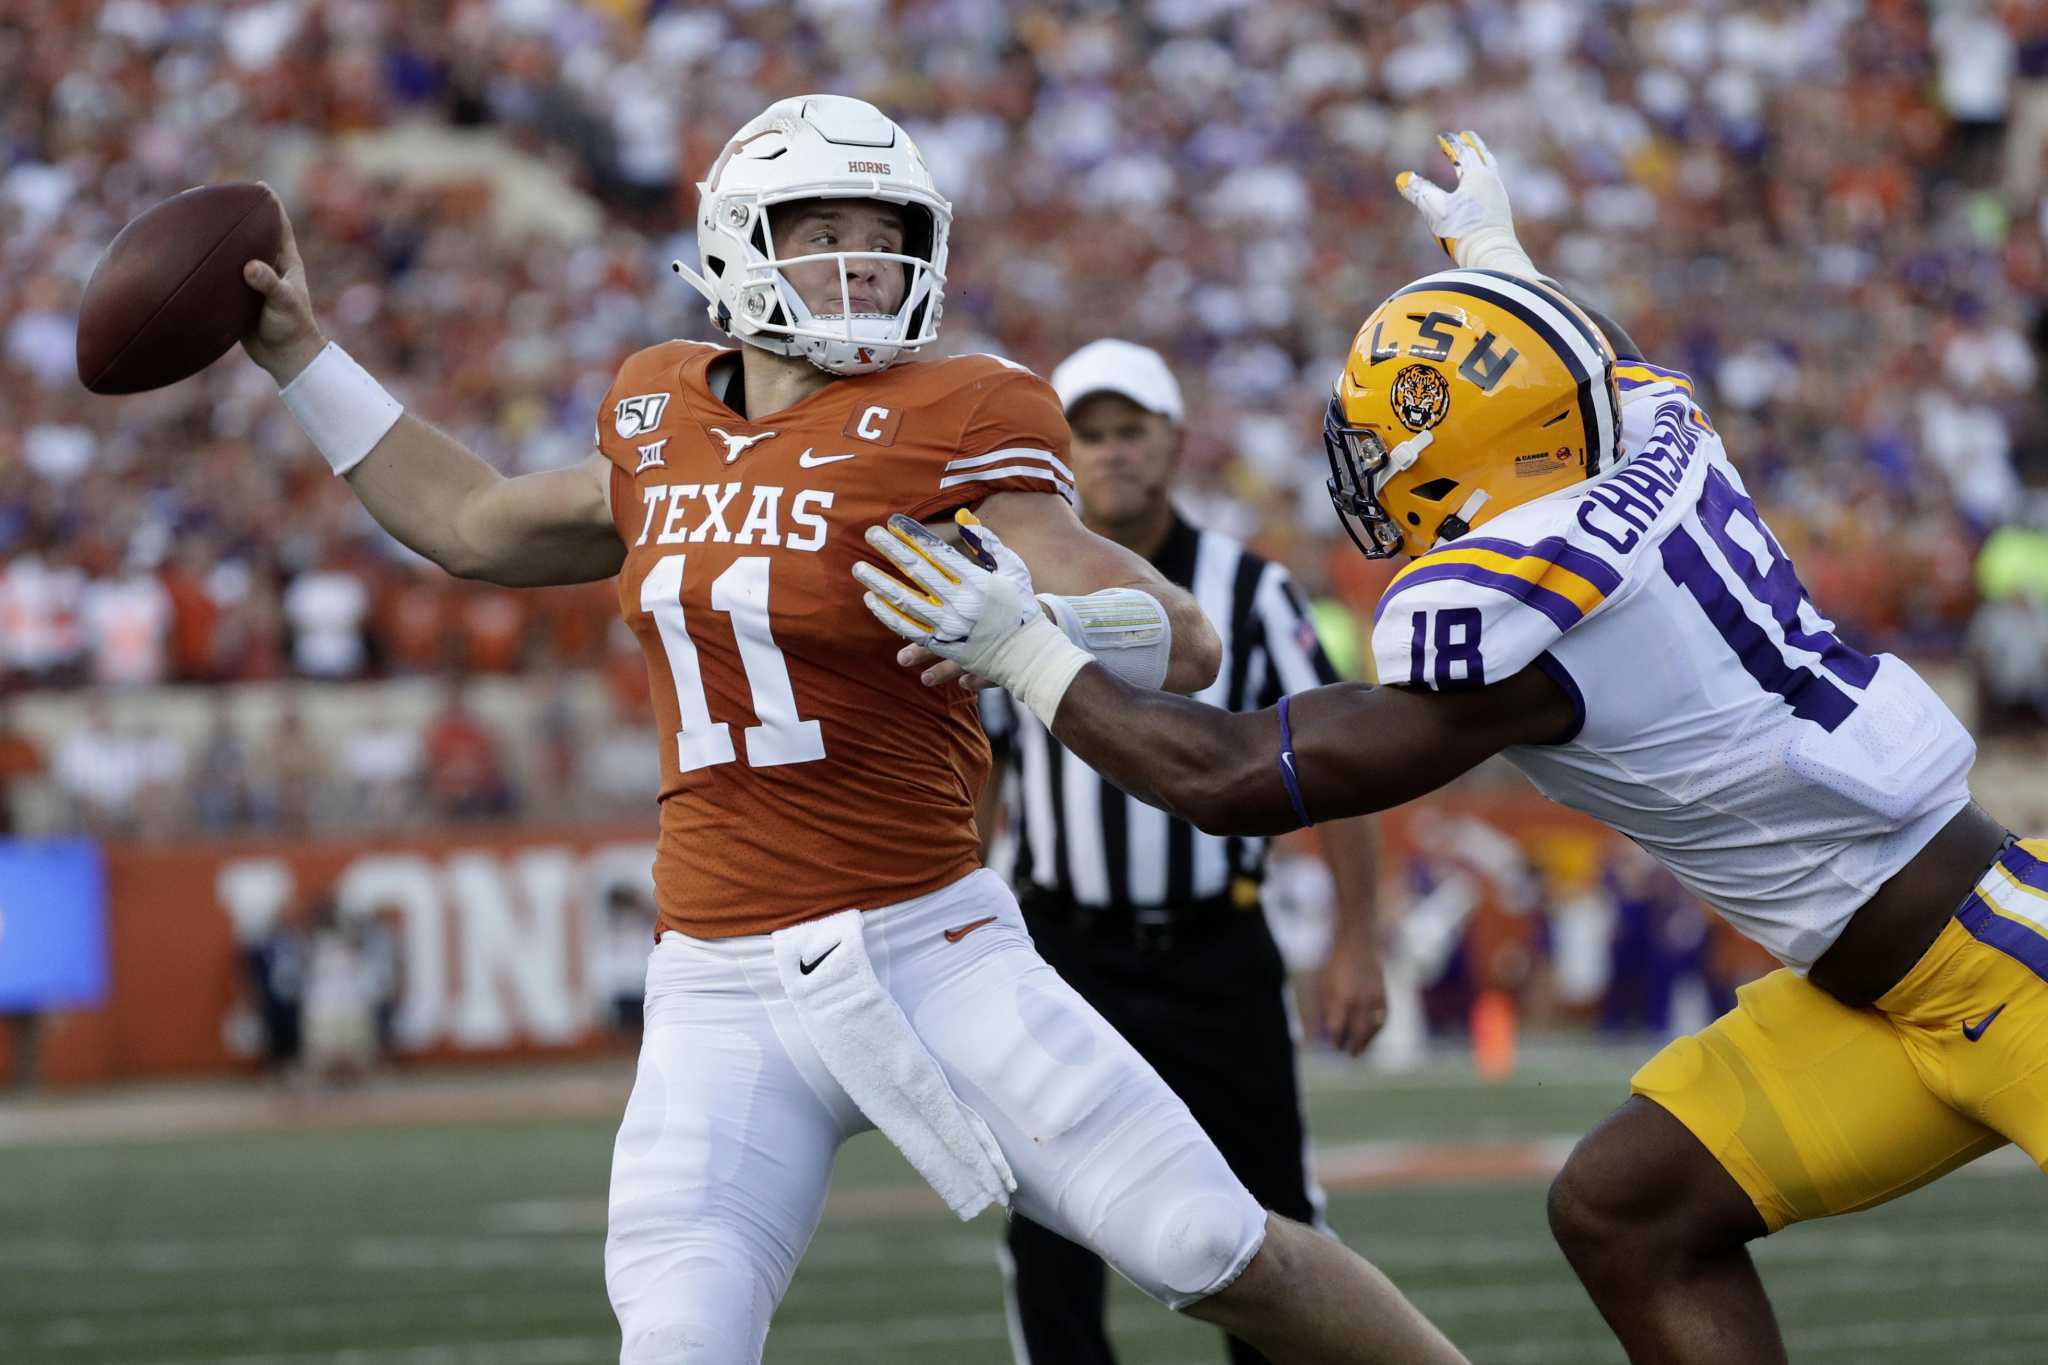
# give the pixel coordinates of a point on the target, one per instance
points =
(829, 955)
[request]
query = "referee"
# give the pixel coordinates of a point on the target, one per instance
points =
(1155, 923)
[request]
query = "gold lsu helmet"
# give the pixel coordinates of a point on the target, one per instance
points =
(1465, 394)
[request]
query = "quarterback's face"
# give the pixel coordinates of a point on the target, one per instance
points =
(811, 227)
(1123, 457)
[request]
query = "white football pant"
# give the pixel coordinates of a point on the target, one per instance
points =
(725, 1151)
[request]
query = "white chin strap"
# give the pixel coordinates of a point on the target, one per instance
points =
(838, 343)
(869, 341)
(1407, 453)
(1463, 516)
(1403, 455)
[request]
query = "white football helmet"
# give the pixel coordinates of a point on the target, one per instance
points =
(818, 147)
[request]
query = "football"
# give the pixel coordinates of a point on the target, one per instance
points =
(168, 298)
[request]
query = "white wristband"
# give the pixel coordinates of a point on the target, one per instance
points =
(1493, 250)
(1126, 629)
(342, 410)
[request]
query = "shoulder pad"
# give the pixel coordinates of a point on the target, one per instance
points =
(1647, 388)
(1639, 382)
(641, 393)
(1000, 429)
(1483, 608)
(935, 381)
(977, 364)
(665, 356)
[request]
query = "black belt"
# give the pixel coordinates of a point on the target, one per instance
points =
(1157, 927)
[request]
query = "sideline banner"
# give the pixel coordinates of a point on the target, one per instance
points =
(53, 941)
(500, 937)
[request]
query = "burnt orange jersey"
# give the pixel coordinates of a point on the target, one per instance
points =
(803, 770)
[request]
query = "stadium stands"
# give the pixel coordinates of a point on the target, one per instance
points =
(488, 193)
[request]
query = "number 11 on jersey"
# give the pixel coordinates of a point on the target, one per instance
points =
(741, 592)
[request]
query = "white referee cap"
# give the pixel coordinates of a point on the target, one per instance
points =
(1123, 368)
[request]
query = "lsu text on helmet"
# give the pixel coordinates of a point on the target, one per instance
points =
(1465, 394)
(818, 147)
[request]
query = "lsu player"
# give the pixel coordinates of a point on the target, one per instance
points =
(1591, 593)
(829, 955)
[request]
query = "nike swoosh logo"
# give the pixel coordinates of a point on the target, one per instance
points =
(810, 461)
(808, 967)
(955, 935)
(1973, 1034)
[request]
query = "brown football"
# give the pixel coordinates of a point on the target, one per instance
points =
(168, 298)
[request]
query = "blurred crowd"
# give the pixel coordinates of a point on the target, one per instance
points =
(1556, 926)
(1830, 212)
(364, 760)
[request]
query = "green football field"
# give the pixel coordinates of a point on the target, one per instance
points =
(481, 1243)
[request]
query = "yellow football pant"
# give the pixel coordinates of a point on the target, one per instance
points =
(1817, 1109)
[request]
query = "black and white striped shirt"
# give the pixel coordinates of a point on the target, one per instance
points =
(1077, 834)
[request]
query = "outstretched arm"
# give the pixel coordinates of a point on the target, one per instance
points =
(1474, 226)
(430, 492)
(424, 486)
(1348, 748)
(1355, 748)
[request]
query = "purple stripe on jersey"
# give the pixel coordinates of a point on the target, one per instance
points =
(2008, 936)
(2030, 870)
(1562, 676)
(1555, 549)
(1561, 611)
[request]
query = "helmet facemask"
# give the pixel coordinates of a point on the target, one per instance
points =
(1359, 464)
(842, 342)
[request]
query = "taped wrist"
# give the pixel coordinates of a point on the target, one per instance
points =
(1126, 629)
(1037, 664)
(1493, 249)
(342, 410)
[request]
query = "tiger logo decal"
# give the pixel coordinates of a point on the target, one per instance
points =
(1421, 397)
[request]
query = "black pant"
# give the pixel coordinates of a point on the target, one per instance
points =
(1208, 1014)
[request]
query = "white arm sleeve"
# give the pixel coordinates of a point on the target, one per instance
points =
(1126, 629)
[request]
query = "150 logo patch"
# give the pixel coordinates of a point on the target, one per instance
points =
(642, 412)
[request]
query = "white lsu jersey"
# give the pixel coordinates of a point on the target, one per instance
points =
(1780, 774)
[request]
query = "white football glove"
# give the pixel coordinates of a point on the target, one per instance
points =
(987, 550)
(950, 595)
(982, 615)
(1472, 223)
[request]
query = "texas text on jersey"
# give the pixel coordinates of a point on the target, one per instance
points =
(780, 799)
